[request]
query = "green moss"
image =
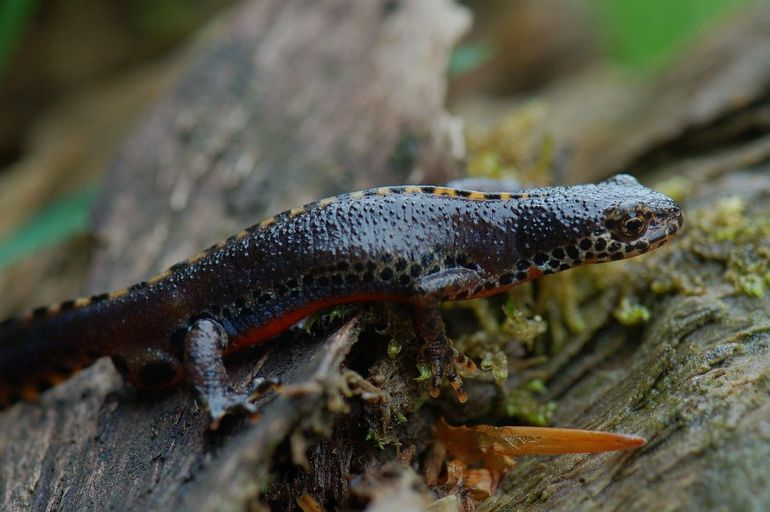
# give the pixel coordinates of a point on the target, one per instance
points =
(629, 313)
(520, 147)
(424, 371)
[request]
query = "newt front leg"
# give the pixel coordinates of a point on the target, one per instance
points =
(205, 344)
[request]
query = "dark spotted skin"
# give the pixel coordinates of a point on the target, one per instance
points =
(411, 244)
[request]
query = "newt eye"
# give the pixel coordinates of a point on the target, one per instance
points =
(627, 224)
(634, 227)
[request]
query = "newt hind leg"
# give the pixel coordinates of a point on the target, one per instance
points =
(205, 343)
(443, 358)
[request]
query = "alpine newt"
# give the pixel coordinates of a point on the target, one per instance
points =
(417, 245)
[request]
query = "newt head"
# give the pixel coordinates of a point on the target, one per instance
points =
(636, 219)
(612, 220)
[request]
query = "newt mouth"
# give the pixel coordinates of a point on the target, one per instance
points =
(664, 227)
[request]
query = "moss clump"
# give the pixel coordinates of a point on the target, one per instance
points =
(519, 147)
(732, 234)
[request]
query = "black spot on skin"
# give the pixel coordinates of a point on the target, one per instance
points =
(280, 289)
(477, 290)
(138, 286)
(323, 281)
(602, 255)
(521, 276)
(589, 255)
(308, 280)
(239, 302)
(351, 279)
(265, 297)
(449, 261)
(8, 322)
(157, 374)
(386, 274)
(415, 270)
(176, 340)
(40, 312)
(120, 364)
(292, 283)
(565, 266)
(358, 266)
(67, 304)
(404, 279)
(99, 298)
(615, 246)
(617, 256)
(641, 245)
(585, 244)
(554, 264)
(62, 370)
(540, 258)
(342, 265)
(462, 295)
(558, 253)
(337, 279)
(464, 193)
(492, 196)
(600, 244)
(368, 277)
(386, 257)
(489, 285)
(572, 251)
(523, 264)
(506, 278)
(401, 265)
(371, 266)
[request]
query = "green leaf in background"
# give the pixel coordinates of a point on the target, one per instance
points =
(641, 33)
(468, 56)
(14, 16)
(57, 221)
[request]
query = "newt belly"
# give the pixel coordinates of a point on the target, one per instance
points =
(414, 244)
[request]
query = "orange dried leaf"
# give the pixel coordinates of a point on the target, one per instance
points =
(481, 442)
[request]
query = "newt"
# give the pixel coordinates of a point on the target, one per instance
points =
(417, 245)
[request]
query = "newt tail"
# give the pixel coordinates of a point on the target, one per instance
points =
(418, 245)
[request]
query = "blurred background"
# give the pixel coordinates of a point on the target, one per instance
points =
(76, 75)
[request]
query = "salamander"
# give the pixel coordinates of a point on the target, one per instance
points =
(416, 245)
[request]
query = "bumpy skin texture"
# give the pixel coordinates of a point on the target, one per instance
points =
(418, 245)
